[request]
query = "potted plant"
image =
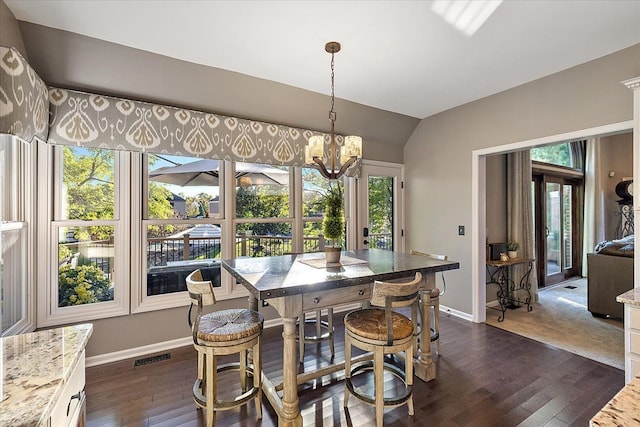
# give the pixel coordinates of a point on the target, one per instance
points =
(512, 249)
(333, 223)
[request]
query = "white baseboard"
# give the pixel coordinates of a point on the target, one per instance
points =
(132, 353)
(444, 310)
(145, 350)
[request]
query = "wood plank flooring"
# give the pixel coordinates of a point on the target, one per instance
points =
(486, 377)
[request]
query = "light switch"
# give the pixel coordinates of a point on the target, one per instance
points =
(461, 230)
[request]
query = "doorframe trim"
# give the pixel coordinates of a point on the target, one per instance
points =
(478, 200)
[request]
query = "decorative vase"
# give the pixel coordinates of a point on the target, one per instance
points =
(332, 254)
(512, 254)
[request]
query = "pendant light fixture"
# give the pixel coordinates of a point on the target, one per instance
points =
(349, 152)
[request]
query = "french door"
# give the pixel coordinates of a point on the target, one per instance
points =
(380, 219)
(557, 211)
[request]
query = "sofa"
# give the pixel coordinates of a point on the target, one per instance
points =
(609, 274)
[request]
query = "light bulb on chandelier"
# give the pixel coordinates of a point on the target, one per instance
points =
(350, 151)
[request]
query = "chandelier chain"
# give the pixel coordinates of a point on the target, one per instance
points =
(332, 113)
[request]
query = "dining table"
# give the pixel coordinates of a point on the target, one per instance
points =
(294, 284)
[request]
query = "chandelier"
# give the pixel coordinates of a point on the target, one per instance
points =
(349, 152)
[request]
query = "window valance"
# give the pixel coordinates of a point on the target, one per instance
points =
(96, 121)
(24, 103)
(69, 117)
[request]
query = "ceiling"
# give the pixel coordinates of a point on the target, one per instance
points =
(398, 56)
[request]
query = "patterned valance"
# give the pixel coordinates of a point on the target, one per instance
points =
(87, 120)
(24, 104)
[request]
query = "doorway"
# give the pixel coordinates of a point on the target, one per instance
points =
(558, 206)
(380, 224)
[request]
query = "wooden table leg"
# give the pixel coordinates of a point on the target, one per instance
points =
(253, 305)
(290, 409)
(423, 364)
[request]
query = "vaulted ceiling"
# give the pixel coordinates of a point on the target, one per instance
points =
(398, 56)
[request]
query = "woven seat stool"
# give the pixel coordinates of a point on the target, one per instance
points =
(222, 333)
(382, 331)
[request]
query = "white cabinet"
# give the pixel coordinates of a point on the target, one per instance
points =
(631, 341)
(69, 410)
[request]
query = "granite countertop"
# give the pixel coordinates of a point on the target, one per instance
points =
(623, 409)
(35, 367)
(630, 297)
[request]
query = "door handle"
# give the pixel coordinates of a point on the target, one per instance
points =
(546, 232)
(365, 241)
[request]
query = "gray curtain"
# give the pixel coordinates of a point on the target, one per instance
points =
(594, 201)
(520, 226)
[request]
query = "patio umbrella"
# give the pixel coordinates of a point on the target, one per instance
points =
(205, 172)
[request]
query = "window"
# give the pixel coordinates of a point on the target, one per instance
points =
(15, 230)
(89, 223)
(181, 227)
(566, 154)
(126, 228)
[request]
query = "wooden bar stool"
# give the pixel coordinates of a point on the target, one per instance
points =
(382, 331)
(323, 329)
(222, 333)
(434, 300)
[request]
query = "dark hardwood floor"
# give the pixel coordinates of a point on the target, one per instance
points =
(486, 377)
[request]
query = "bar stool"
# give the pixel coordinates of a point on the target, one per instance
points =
(382, 331)
(323, 329)
(222, 333)
(434, 300)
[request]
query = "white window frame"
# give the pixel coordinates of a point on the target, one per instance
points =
(20, 197)
(49, 314)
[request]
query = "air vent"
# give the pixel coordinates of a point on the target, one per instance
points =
(152, 359)
(570, 287)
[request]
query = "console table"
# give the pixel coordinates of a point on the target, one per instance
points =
(507, 286)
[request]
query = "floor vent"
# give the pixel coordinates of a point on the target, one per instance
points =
(152, 359)
(570, 287)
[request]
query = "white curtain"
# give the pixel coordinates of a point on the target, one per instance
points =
(520, 214)
(594, 202)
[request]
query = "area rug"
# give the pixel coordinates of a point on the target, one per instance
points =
(561, 319)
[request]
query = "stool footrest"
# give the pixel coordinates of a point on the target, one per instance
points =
(388, 401)
(220, 405)
(308, 339)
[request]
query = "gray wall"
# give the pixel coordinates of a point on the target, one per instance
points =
(9, 32)
(438, 154)
(616, 155)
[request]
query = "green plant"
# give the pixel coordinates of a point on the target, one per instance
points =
(333, 223)
(512, 246)
(82, 285)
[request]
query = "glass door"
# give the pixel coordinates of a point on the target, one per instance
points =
(557, 237)
(380, 208)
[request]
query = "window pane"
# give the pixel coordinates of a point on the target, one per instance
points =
(85, 265)
(174, 251)
(314, 187)
(313, 241)
(556, 154)
(262, 191)
(381, 212)
(567, 239)
(13, 280)
(263, 239)
(88, 191)
(182, 187)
